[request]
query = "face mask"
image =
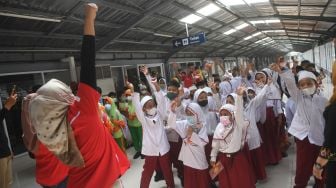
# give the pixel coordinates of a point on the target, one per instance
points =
(152, 112)
(115, 100)
(143, 92)
(225, 120)
(309, 91)
(203, 103)
(171, 96)
(129, 98)
(108, 107)
(123, 99)
(191, 120)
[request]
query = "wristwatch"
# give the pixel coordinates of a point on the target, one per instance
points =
(318, 166)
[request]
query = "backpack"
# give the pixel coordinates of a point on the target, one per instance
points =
(29, 134)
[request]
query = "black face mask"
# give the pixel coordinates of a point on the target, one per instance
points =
(203, 103)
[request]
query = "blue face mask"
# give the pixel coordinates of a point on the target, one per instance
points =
(191, 120)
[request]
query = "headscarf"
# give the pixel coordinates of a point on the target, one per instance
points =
(201, 121)
(197, 94)
(222, 132)
(144, 100)
(234, 96)
(48, 112)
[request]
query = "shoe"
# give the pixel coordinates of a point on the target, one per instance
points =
(158, 177)
(137, 155)
(182, 180)
(142, 156)
(284, 154)
(213, 184)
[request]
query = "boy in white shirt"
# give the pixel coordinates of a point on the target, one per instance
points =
(155, 144)
(308, 123)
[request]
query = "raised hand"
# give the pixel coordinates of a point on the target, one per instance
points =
(91, 11)
(10, 102)
(241, 90)
(144, 70)
(275, 67)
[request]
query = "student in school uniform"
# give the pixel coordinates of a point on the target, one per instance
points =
(228, 144)
(134, 124)
(252, 102)
(308, 123)
(155, 145)
(192, 154)
(270, 112)
(201, 98)
(174, 139)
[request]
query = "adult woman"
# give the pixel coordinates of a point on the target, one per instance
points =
(326, 158)
(71, 127)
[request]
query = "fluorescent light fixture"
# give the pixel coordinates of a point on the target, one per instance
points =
(274, 31)
(247, 38)
(255, 1)
(190, 19)
(162, 35)
(29, 17)
(257, 22)
(256, 34)
(272, 21)
(232, 2)
(230, 32)
(208, 10)
(239, 27)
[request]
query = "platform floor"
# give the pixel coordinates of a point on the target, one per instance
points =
(280, 176)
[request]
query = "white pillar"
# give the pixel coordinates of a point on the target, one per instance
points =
(72, 68)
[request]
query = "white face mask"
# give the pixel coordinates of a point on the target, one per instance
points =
(129, 98)
(152, 112)
(309, 91)
(225, 120)
(191, 120)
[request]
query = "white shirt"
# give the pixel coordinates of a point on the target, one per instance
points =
(225, 88)
(237, 136)
(290, 110)
(308, 120)
(192, 152)
(236, 82)
(250, 112)
(154, 139)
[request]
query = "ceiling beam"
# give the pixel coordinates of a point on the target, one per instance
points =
(131, 23)
(70, 19)
(117, 6)
(320, 32)
(295, 5)
(315, 18)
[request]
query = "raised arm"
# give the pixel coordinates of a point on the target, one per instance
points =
(288, 77)
(261, 96)
(239, 107)
(88, 51)
(138, 109)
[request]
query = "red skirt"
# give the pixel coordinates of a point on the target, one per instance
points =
(234, 174)
(258, 164)
(270, 135)
(194, 178)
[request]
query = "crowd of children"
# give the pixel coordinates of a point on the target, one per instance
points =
(216, 130)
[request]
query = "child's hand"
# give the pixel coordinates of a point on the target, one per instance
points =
(189, 131)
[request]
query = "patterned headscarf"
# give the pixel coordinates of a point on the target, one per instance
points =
(48, 112)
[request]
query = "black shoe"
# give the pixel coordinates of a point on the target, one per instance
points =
(137, 155)
(158, 177)
(213, 184)
(142, 156)
(284, 154)
(182, 180)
